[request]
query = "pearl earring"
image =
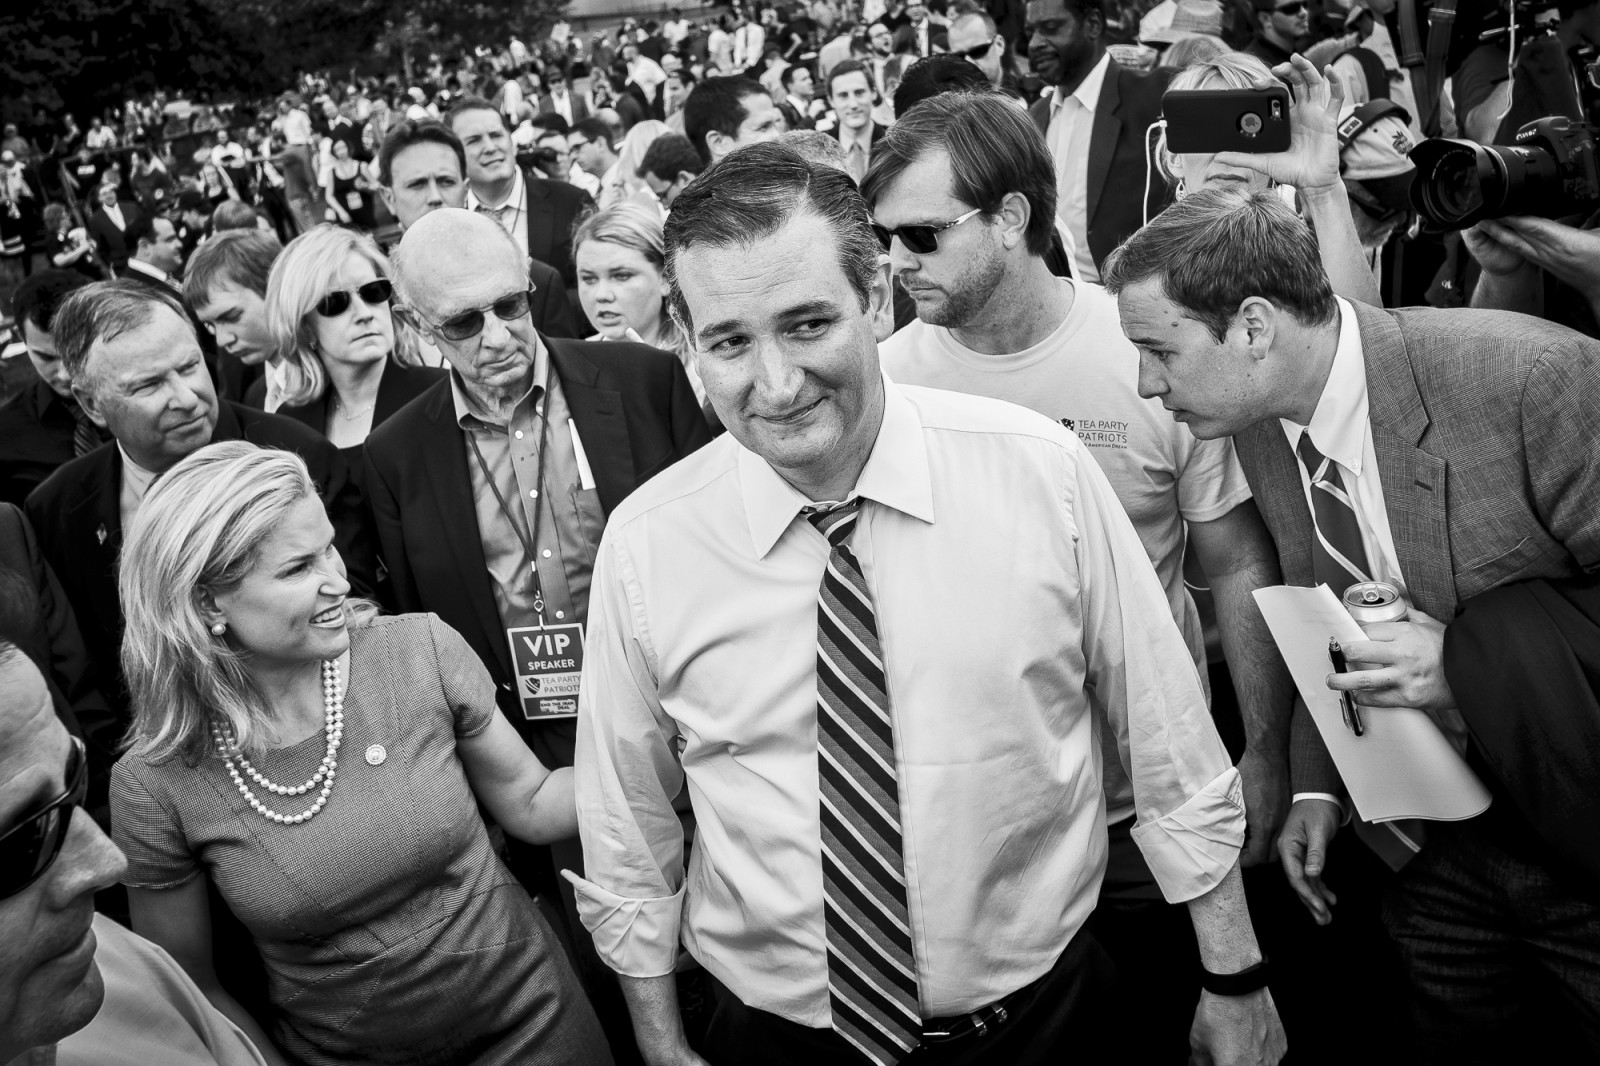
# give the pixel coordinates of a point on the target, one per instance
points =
(219, 628)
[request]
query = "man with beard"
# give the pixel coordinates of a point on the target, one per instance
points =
(964, 190)
(1096, 123)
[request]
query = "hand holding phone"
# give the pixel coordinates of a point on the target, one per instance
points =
(1209, 121)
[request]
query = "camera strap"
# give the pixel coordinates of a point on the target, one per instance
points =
(1441, 22)
(1362, 118)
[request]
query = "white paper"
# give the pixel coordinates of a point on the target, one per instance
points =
(1402, 766)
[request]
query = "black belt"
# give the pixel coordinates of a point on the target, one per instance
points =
(980, 1022)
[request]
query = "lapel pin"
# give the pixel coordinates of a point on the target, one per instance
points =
(100, 533)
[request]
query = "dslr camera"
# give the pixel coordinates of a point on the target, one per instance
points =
(1550, 172)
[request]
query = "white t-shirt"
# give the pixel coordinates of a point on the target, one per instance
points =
(1085, 375)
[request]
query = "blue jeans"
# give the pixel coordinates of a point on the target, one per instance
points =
(1502, 953)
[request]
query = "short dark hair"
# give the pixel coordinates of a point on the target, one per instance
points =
(141, 229)
(751, 194)
(787, 77)
(994, 148)
(668, 156)
(938, 73)
(550, 122)
(848, 66)
(239, 257)
(471, 103)
(1216, 248)
(36, 299)
(596, 129)
(103, 311)
(717, 104)
(405, 133)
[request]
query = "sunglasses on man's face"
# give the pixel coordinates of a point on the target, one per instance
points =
(372, 294)
(30, 848)
(1291, 10)
(469, 324)
(923, 240)
(977, 53)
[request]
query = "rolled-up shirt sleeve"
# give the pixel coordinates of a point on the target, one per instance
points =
(627, 773)
(1140, 675)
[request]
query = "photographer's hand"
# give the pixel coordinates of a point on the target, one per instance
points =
(1571, 254)
(1312, 159)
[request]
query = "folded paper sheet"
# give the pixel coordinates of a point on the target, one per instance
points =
(1404, 766)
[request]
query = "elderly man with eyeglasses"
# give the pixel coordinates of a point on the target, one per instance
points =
(489, 492)
(76, 988)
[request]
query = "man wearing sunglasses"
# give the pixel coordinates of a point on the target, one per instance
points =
(490, 490)
(994, 321)
(1282, 27)
(975, 37)
(76, 988)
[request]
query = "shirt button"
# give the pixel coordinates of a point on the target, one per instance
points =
(561, 614)
(538, 409)
(519, 434)
(547, 553)
(534, 493)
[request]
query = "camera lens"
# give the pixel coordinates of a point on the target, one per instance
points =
(1459, 183)
(1249, 123)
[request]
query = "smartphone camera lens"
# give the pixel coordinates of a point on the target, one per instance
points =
(1249, 123)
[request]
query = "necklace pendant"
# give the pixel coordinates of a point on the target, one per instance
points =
(376, 754)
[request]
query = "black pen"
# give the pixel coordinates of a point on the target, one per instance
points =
(1352, 715)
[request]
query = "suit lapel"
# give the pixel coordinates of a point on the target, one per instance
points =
(1274, 477)
(96, 518)
(541, 221)
(1103, 136)
(601, 425)
(1414, 482)
(445, 465)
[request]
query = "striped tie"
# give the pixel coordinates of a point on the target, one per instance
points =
(1339, 560)
(872, 974)
(85, 437)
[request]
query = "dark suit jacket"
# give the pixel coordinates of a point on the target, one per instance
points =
(107, 237)
(1484, 425)
(553, 206)
(906, 43)
(552, 306)
(636, 414)
(580, 106)
(1129, 102)
(398, 387)
(77, 513)
(36, 430)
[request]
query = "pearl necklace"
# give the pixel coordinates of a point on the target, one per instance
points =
(333, 726)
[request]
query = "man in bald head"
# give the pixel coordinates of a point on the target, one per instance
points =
(489, 491)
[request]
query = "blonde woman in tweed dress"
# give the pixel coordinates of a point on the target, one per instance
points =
(320, 767)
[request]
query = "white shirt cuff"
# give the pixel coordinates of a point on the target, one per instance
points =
(1190, 850)
(1344, 812)
(635, 937)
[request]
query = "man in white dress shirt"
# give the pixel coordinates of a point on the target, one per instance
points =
(893, 768)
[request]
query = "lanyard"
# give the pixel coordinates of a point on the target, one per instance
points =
(538, 509)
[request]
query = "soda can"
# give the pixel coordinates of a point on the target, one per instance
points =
(1374, 601)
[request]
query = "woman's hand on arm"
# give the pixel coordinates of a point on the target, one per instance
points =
(531, 801)
(179, 921)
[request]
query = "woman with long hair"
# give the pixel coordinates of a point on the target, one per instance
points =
(345, 366)
(69, 247)
(322, 769)
(348, 188)
(620, 257)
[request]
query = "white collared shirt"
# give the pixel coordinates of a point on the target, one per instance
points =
(150, 270)
(515, 221)
(114, 213)
(135, 483)
(1019, 619)
(562, 102)
(1341, 430)
(1071, 125)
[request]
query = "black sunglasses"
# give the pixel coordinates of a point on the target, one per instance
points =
(469, 324)
(1291, 9)
(923, 240)
(30, 848)
(977, 53)
(372, 294)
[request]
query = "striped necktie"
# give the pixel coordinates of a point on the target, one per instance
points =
(1339, 560)
(85, 437)
(500, 214)
(872, 973)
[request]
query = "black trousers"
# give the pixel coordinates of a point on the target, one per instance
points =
(1056, 1019)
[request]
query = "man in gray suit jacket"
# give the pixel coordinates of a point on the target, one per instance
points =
(1447, 452)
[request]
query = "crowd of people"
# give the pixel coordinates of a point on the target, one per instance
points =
(739, 539)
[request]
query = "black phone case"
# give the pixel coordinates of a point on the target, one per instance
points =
(1206, 121)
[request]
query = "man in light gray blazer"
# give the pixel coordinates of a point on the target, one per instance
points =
(1444, 451)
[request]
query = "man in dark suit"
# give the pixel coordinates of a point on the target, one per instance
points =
(848, 89)
(489, 492)
(1096, 123)
(106, 224)
(136, 368)
(919, 36)
(43, 426)
(561, 100)
(1447, 452)
(537, 213)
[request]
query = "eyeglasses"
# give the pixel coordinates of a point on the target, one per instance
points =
(977, 53)
(372, 294)
(469, 324)
(30, 848)
(1291, 9)
(922, 240)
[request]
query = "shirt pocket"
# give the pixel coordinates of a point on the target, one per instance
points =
(591, 522)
